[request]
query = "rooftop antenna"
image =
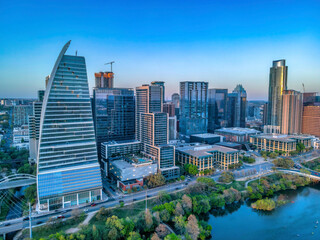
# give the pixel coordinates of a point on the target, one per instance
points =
(76, 52)
(110, 64)
(304, 90)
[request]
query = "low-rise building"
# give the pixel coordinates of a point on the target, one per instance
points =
(130, 172)
(207, 156)
(279, 142)
(207, 138)
(237, 134)
(21, 137)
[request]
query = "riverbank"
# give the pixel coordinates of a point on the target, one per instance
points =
(185, 212)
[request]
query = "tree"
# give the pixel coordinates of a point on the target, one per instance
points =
(300, 147)
(155, 237)
(226, 177)
(182, 177)
(114, 226)
(128, 226)
(172, 236)
(162, 230)
(113, 234)
(95, 233)
(157, 218)
(164, 215)
(180, 224)
(191, 169)
(284, 163)
(155, 180)
(102, 214)
(134, 236)
(186, 203)
(148, 219)
(192, 227)
(31, 194)
(200, 204)
(179, 210)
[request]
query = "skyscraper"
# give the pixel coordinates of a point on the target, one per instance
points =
(113, 115)
(292, 104)
(175, 98)
(237, 101)
(68, 168)
(104, 79)
(217, 109)
(193, 108)
(160, 83)
(148, 100)
(154, 128)
(169, 108)
(277, 84)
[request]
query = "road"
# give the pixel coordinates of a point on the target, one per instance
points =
(39, 219)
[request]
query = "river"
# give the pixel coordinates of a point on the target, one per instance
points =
(295, 220)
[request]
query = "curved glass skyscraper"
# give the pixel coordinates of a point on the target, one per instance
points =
(68, 169)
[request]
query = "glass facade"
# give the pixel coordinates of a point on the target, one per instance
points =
(217, 109)
(236, 112)
(193, 107)
(67, 155)
(277, 84)
(114, 115)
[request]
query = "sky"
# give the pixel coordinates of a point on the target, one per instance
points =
(225, 42)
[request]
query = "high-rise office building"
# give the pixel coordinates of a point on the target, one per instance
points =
(292, 104)
(154, 128)
(104, 79)
(173, 128)
(193, 108)
(21, 114)
(68, 168)
(217, 109)
(236, 113)
(277, 84)
(175, 98)
(160, 83)
(148, 100)
(113, 115)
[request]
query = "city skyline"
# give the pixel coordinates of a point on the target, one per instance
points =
(231, 47)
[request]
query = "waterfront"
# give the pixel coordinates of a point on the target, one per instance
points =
(295, 220)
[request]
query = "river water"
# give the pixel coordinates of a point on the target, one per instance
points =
(295, 220)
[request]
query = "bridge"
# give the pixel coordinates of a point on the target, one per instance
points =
(17, 180)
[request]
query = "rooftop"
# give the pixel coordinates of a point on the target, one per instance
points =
(282, 137)
(205, 150)
(205, 135)
(238, 131)
(120, 142)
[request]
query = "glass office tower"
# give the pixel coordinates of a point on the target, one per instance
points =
(217, 108)
(68, 169)
(113, 114)
(193, 107)
(277, 84)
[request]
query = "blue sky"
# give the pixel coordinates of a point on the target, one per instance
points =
(222, 42)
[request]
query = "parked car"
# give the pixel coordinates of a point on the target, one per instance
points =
(60, 217)
(93, 204)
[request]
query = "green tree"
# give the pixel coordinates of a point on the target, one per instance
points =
(30, 193)
(180, 224)
(172, 236)
(128, 226)
(191, 169)
(148, 220)
(134, 236)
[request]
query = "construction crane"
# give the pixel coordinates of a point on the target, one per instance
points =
(110, 64)
(304, 90)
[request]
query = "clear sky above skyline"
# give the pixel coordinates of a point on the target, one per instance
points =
(222, 42)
